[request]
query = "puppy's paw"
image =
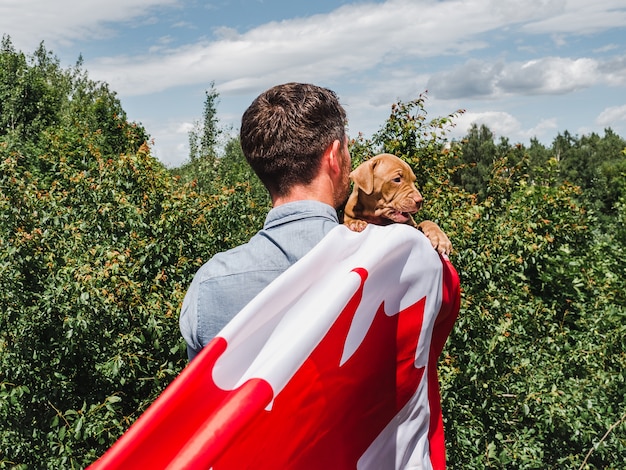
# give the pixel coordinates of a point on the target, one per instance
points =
(438, 239)
(442, 244)
(356, 225)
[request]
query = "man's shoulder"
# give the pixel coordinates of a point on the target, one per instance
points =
(229, 262)
(289, 233)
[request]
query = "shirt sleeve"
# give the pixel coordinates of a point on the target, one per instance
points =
(188, 321)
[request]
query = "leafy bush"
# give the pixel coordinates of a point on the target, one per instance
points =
(535, 365)
(97, 259)
(98, 246)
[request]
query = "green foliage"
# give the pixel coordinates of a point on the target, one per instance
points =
(37, 95)
(409, 134)
(537, 354)
(212, 172)
(97, 259)
(30, 97)
(229, 175)
(88, 337)
(596, 164)
(204, 137)
(476, 160)
(98, 244)
(534, 370)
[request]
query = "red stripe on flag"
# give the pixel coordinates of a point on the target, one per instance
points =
(450, 305)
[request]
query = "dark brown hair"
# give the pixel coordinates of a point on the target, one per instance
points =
(285, 131)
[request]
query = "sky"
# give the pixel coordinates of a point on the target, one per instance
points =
(525, 68)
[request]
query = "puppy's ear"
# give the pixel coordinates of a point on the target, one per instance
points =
(363, 176)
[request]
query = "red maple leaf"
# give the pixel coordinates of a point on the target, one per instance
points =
(328, 414)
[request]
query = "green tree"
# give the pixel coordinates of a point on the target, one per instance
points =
(82, 262)
(476, 160)
(37, 95)
(30, 95)
(204, 140)
(541, 162)
(204, 136)
(594, 163)
(527, 393)
(233, 170)
(213, 170)
(422, 142)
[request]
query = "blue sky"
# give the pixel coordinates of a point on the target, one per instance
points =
(525, 68)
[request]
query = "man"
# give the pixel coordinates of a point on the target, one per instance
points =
(345, 380)
(293, 136)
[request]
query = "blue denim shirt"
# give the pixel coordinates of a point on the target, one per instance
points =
(229, 280)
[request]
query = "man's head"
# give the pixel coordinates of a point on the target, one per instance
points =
(285, 132)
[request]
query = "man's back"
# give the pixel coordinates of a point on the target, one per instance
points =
(226, 283)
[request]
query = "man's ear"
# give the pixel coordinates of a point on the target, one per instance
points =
(363, 176)
(333, 154)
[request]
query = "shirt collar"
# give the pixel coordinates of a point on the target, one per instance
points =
(298, 210)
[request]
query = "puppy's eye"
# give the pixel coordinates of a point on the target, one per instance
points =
(397, 179)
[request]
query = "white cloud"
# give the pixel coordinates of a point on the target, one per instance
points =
(578, 16)
(499, 122)
(611, 116)
(606, 48)
(544, 128)
(548, 75)
(62, 22)
(614, 71)
(473, 79)
(358, 39)
(355, 38)
(503, 124)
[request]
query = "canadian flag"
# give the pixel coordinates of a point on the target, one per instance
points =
(332, 366)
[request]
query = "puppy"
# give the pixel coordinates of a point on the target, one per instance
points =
(384, 193)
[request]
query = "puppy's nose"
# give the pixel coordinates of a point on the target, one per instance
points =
(419, 200)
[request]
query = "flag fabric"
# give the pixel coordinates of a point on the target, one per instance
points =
(334, 365)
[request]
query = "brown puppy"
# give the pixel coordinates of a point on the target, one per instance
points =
(384, 193)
